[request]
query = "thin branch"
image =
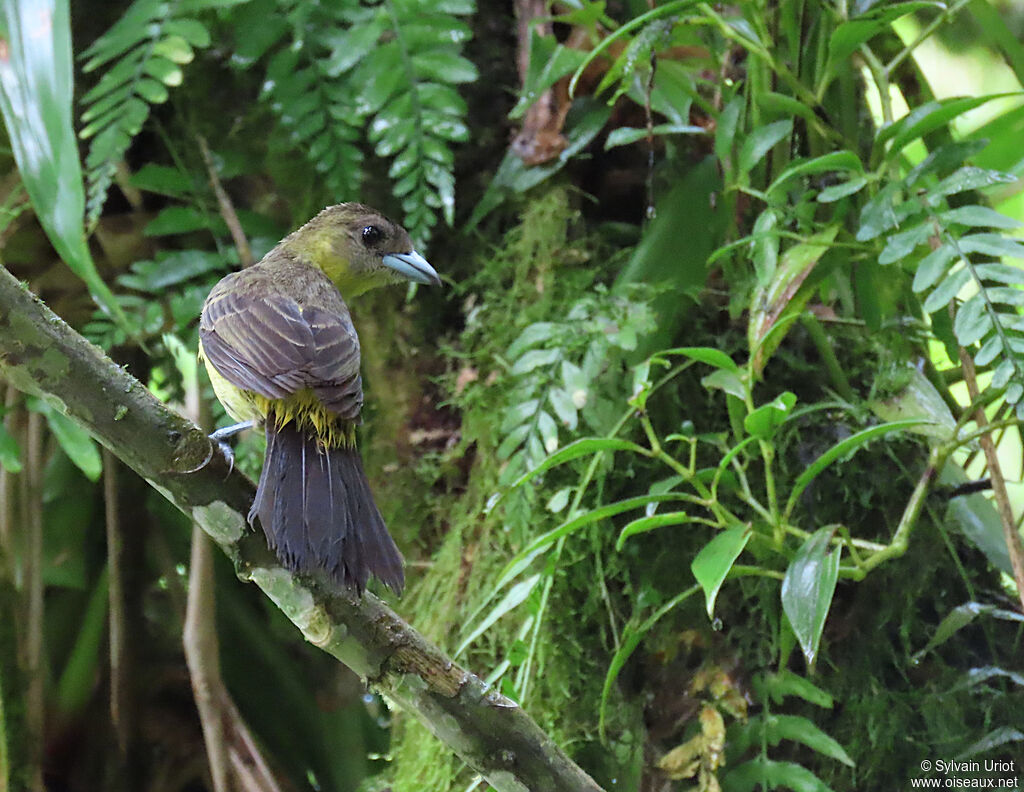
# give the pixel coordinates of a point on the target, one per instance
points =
(119, 681)
(40, 354)
(995, 472)
(227, 208)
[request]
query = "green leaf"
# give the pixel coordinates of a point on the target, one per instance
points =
(960, 617)
(834, 161)
(712, 564)
(927, 118)
(807, 590)
(515, 597)
(644, 524)
(836, 192)
(162, 179)
(444, 66)
(978, 216)
(74, 440)
(176, 220)
(763, 421)
(849, 35)
(799, 729)
(713, 357)
(624, 136)
(932, 267)
(10, 452)
(843, 448)
(966, 179)
(765, 773)
(780, 686)
(535, 358)
(35, 96)
(531, 336)
(545, 540)
(584, 447)
(725, 131)
(564, 406)
(760, 141)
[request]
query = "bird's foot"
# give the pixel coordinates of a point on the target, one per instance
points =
(221, 436)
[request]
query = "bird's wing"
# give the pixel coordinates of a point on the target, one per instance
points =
(271, 345)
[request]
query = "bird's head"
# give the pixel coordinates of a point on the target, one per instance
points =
(359, 249)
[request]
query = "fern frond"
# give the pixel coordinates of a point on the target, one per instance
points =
(143, 54)
(407, 84)
(963, 267)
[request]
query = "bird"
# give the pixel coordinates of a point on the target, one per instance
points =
(282, 352)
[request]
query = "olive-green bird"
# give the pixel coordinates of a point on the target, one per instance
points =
(281, 350)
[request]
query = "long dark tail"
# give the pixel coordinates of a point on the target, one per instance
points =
(318, 513)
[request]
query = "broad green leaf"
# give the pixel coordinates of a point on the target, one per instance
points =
(775, 306)
(780, 686)
(927, 118)
(73, 440)
(725, 131)
(849, 35)
(512, 600)
(712, 564)
(35, 96)
(726, 380)
(10, 452)
(760, 141)
(176, 220)
(650, 523)
(765, 246)
(763, 421)
(807, 590)
(918, 399)
(765, 773)
(713, 357)
(799, 729)
(548, 63)
(960, 617)
(559, 500)
(845, 447)
(162, 179)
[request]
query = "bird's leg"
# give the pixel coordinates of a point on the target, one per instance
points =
(221, 436)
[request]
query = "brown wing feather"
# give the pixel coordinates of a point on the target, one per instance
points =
(270, 345)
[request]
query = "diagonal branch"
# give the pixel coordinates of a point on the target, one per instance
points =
(41, 355)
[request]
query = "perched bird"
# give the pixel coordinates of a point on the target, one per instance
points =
(281, 351)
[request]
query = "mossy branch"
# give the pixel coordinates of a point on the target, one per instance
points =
(43, 356)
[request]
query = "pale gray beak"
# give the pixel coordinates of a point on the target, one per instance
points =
(412, 266)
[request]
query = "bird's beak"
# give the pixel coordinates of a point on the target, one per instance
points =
(412, 266)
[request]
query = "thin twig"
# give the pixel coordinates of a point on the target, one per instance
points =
(227, 208)
(995, 472)
(115, 595)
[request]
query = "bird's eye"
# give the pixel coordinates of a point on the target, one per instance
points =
(372, 235)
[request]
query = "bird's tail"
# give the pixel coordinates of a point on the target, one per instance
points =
(318, 513)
